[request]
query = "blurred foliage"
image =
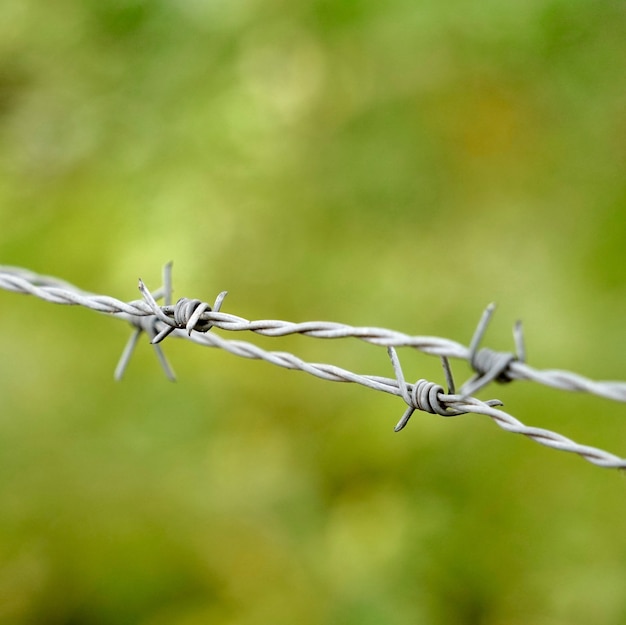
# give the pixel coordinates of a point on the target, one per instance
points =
(397, 164)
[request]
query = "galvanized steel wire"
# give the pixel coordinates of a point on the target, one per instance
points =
(192, 320)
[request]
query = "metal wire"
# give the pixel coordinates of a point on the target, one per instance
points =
(192, 320)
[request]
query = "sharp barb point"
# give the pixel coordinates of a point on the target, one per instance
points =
(164, 364)
(127, 352)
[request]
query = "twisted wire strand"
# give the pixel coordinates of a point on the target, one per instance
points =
(548, 438)
(57, 291)
(60, 292)
(569, 381)
(191, 319)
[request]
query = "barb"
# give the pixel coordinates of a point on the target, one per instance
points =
(187, 313)
(192, 320)
(488, 364)
(428, 396)
(147, 325)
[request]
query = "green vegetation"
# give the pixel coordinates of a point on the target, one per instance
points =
(398, 164)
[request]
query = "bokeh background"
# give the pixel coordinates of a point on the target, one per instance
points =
(398, 164)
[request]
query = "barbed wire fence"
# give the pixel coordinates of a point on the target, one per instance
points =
(191, 319)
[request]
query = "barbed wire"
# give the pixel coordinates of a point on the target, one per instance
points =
(192, 320)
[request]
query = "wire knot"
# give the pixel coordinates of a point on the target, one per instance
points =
(426, 396)
(423, 395)
(495, 364)
(187, 314)
(488, 364)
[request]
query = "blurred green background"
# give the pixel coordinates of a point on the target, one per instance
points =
(397, 164)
